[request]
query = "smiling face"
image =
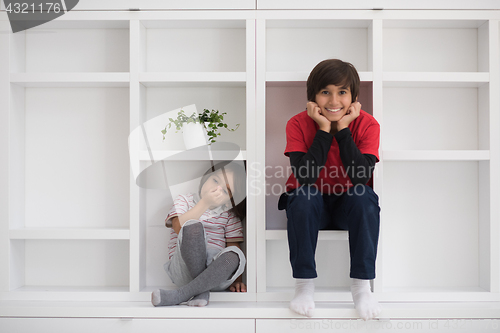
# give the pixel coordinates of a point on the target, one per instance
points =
(217, 179)
(334, 101)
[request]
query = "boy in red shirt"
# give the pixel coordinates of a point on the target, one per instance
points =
(333, 148)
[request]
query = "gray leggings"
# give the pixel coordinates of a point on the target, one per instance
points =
(179, 273)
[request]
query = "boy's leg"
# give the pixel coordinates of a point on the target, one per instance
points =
(358, 212)
(304, 211)
(194, 254)
(216, 273)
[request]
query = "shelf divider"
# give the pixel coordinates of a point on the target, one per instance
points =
(494, 190)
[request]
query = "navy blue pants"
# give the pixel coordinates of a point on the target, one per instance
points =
(308, 211)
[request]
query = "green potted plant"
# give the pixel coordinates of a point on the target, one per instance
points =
(211, 120)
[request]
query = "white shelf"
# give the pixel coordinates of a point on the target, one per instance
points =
(444, 79)
(69, 233)
(71, 79)
(175, 155)
(71, 289)
(149, 79)
(302, 76)
(253, 310)
(436, 155)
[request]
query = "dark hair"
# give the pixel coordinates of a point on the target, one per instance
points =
(332, 71)
(238, 194)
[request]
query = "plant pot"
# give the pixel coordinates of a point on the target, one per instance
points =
(194, 135)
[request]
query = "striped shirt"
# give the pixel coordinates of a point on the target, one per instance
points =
(220, 225)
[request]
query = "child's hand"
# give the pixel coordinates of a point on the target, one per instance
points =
(216, 197)
(314, 111)
(238, 287)
(351, 114)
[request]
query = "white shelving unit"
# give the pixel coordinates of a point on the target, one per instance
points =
(74, 226)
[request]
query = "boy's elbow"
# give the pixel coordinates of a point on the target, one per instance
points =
(176, 225)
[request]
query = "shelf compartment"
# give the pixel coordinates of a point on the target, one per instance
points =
(435, 118)
(289, 43)
(71, 157)
(157, 101)
(283, 101)
(433, 46)
(60, 264)
(76, 46)
(438, 229)
(69, 233)
(154, 237)
(193, 46)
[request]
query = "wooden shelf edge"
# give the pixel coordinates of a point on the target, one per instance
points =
(242, 310)
(70, 233)
(217, 155)
(302, 76)
(436, 155)
(158, 77)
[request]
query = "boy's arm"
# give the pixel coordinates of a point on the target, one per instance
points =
(306, 166)
(210, 199)
(192, 214)
(238, 284)
(358, 166)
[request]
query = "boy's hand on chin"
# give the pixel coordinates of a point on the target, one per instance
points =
(215, 198)
(351, 114)
(314, 111)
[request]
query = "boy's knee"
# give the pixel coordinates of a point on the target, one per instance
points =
(236, 253)
(193, 228)
(231, 256)
(363, 196)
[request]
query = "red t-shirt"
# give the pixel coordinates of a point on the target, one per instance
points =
(300, 132)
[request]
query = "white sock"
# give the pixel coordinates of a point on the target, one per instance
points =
(364, 302)
(303, 301)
